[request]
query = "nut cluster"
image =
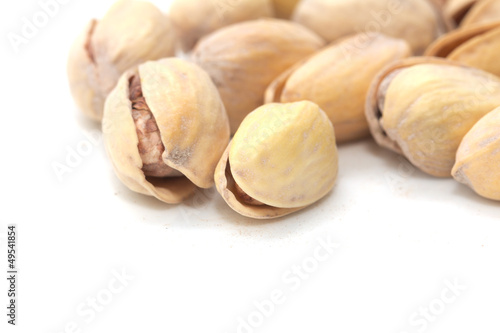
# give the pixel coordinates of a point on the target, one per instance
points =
(262, 91)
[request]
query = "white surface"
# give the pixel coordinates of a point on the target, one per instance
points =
(199, 267)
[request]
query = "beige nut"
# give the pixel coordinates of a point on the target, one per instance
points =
(165, 129)
(476, 46)
(423, 107)
(332, 79)
(419, 22)
(456, 10)
(193, 19)
(282, 159)
(243, 59)
(130, 33)
(484, 11)
(478, 157)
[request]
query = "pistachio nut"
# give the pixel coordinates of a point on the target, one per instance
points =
(422, 108)
(193, 19)
(478, 157)
(282, 159)
(419, 22)
(456, 10)
(244, 58)
(165, 129)
(476, 46)
(130, 33)
(319, 77)
(284, 8)
(484, 11)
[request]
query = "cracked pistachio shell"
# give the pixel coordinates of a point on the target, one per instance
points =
(423, 107)
(283, 155)
(478, 157)
(284, 8)
(476, 46)
(193, 19)
(244, 58)
(332, 79)
(419, 22)
(485, 11)
(191, 120)
(130, 33)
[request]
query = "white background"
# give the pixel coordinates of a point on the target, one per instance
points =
(200, 267)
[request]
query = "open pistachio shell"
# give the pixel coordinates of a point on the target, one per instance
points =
(332, 79)
(478, 157)
(244, 58)
(422, 108)
(185, 112)
(193, 19)
(476, 46)
(130, 33)
(419, 22)
(282, 159)
(485, 11)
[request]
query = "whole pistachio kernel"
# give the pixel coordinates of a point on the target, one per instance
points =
(282, 158)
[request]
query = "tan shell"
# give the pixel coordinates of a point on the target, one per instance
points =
(476, 46)
(332, 79)
(417, 21)
(130, 33)
(194, 19)
(456, 10)
(485, 11)
(190, 117)
(243, 59)
(284, 8)
(422, 108)
(478, 157)
(284, 156)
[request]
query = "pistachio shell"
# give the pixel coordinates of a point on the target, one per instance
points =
(194, 19)
(422, 108)
(485, 11)
(130, 33)
(284, 8)
(284, 156)
(417, 21)
(331, 78)
(476, 46)
(478, 157)
(191, 120)
(243, 59)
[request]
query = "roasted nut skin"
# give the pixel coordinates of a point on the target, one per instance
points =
(190, 119)
(423, 107)
(284, 156)
(419, 22)
(244, 58)
(193, 19)
(478, 157)
(332, 79)
(130, 33)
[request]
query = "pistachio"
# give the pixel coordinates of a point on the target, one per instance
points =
(165, 129)
(130, 33)
(456, 10)
(419, 22)
(243, 59)
(332, 79)
(423, 107)
(476, 46)
(282, 158)
(193, 19)
(478, 157)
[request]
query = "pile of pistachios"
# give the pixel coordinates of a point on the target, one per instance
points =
(253, 96)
